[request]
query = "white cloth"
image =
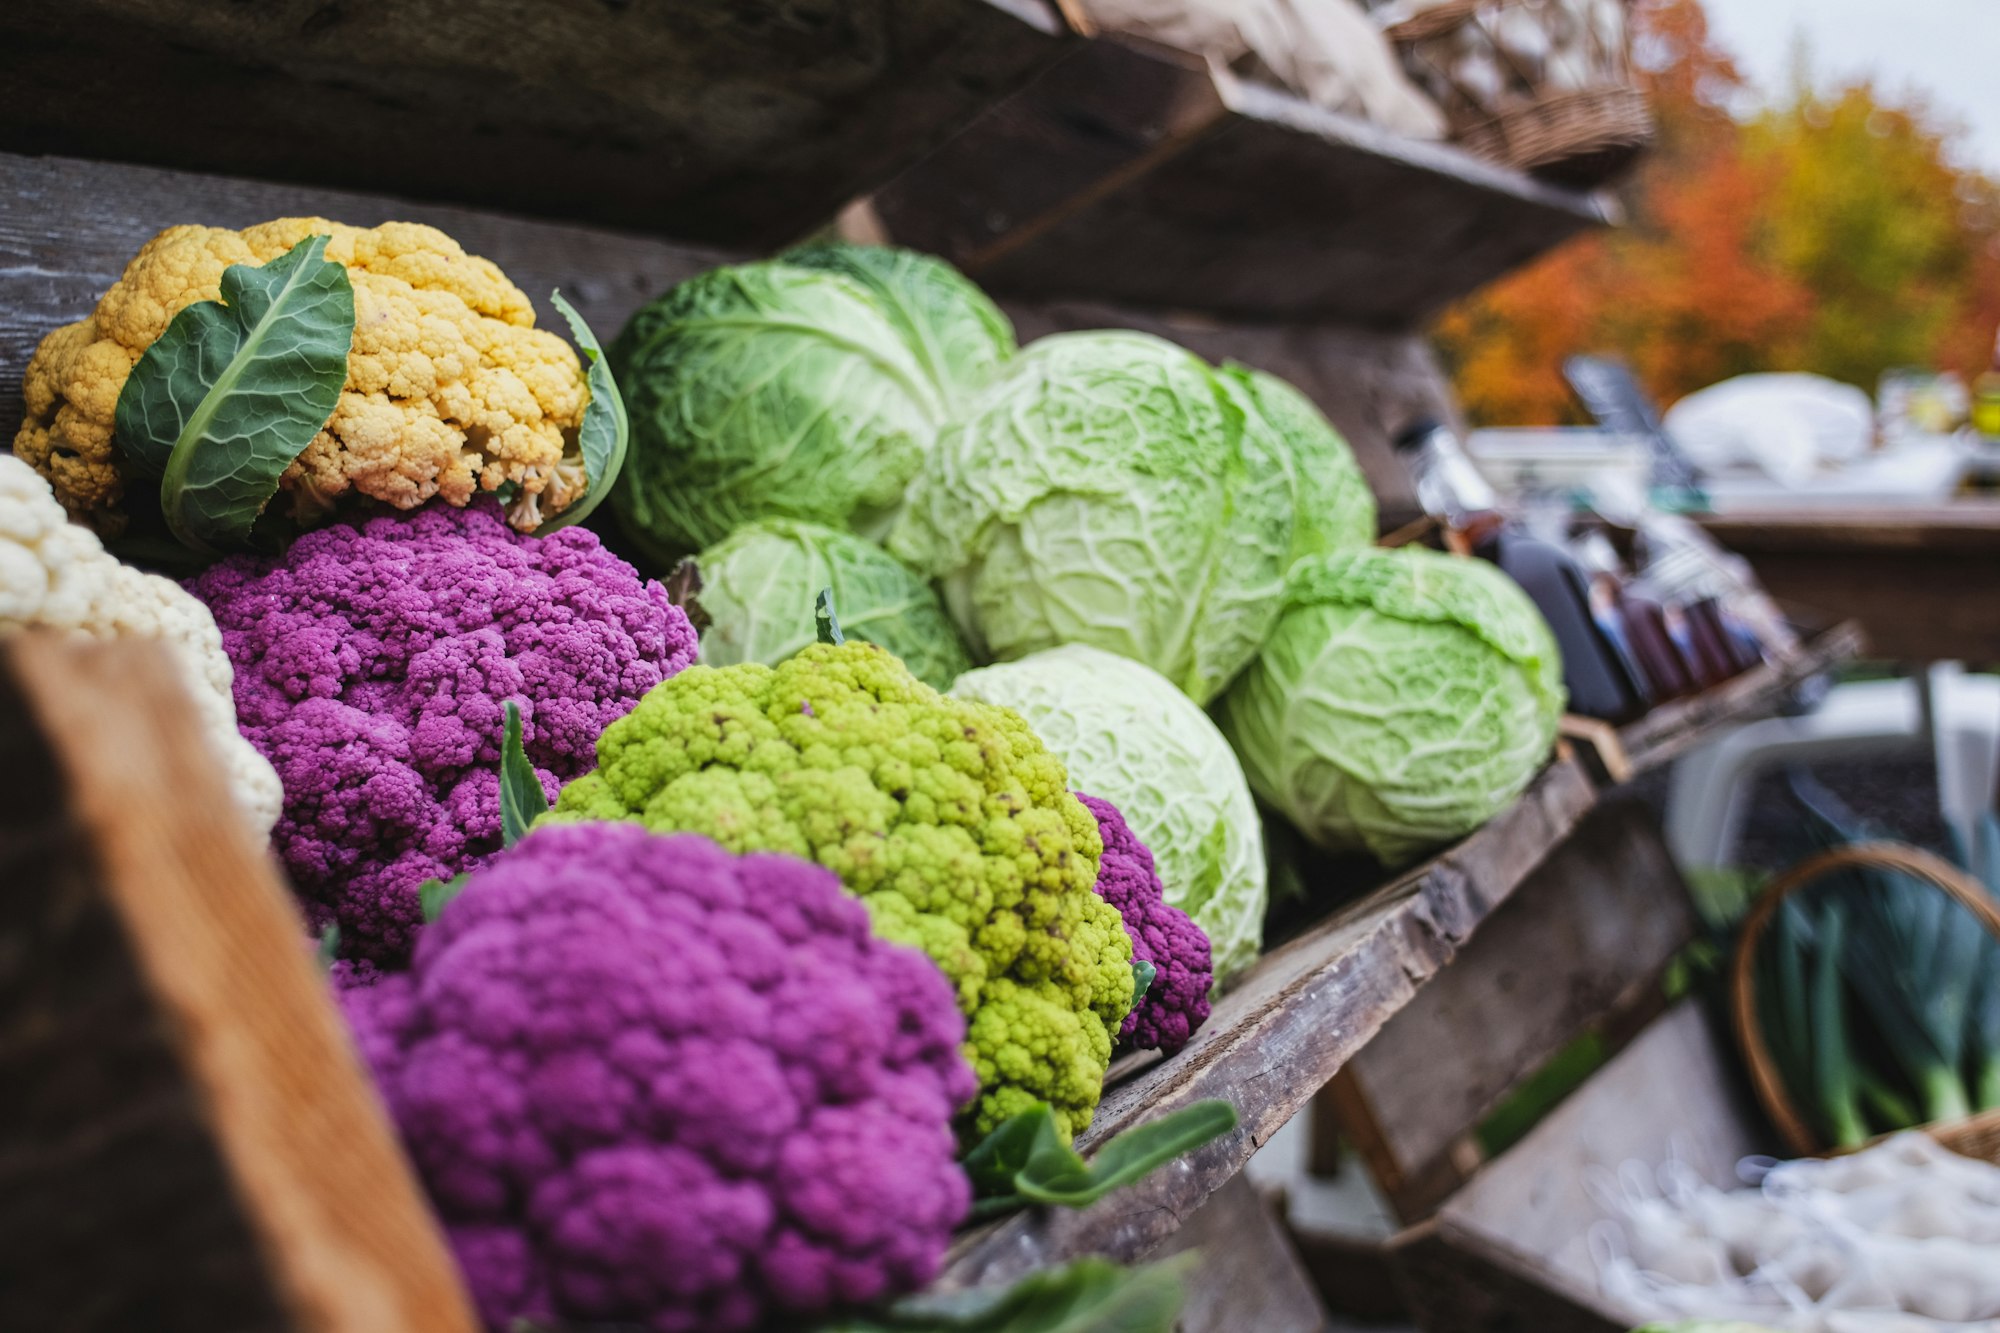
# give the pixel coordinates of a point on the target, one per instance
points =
(1787, 427)
(1326, 51)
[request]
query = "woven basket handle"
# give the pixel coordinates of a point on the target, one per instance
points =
(1771, 1092)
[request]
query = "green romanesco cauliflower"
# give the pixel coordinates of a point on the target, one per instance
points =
(949, 819)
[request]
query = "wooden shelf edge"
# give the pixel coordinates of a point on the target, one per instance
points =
(1439, 157)
(1136, 176)
(1283, 1031)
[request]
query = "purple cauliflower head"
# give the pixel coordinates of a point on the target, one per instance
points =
(373, 663)
(649, 1082)
(1161, 934)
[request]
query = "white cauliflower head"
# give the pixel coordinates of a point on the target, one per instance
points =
(56, 575)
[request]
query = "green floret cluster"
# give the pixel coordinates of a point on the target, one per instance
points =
(949, 819)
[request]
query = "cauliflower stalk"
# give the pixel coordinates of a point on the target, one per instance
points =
(949, 819)
(451, 389)
(56, 575)
(649, 1083)
(373, 664)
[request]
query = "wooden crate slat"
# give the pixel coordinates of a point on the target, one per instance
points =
(1674, 1092)
(68, 227)
(1589, 934)
(187, 1139)
(744, 124)
(1280, 1033)
(1128, 173)
(1248, 1276)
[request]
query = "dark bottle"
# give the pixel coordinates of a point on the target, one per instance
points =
(1449, 487)
(1653, 647)
(1715, 643)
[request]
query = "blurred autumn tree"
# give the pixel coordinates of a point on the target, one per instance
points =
(1828, 233)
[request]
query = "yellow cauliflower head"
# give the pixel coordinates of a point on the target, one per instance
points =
(451, 389)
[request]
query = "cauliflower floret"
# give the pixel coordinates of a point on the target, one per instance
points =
(650, 1083)
(1162, 934)
(451, 390)
(947, 818)
(56, 575)
(374, 662)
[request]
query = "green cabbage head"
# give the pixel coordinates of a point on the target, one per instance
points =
(808, 390)
(758, 586)
(1104, 490)
(1127, 735)
(1336, 508)
(1404, 698)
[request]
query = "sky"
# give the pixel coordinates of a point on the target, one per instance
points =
(1948, 49)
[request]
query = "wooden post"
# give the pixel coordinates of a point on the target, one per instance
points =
(187, 1140)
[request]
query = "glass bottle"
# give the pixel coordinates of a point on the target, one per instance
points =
(1451, 490)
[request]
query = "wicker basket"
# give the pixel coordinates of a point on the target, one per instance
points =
(1975, 1136)
(1571, 114)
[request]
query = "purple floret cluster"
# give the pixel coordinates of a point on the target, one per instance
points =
(373, 663)
(648, 1082)
(1161, 933)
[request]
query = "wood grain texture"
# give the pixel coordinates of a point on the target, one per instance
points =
(242, 1174)
(747, 123)
(1590, 932)
(1280, 1033)
(1129, 174)
(1673, 729)
(1674, 1092)
(1248, 1275)
(68, 228)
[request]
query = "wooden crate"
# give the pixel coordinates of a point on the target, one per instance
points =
(1581, 948)
(1511, 1250)
(187, 1139)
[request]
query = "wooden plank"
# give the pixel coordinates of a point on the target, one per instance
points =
(1673, 729)
(68, 228)
(1459, 1281)
(1277, 1037)
(745, 124)
(1675, 1091)
(1248, 1275)
(1130, 174)
(187, 1140)
(1589, 933)
(1918, 578)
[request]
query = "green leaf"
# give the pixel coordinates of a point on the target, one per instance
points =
(1128, 1157)
(827, 623)
(233, 391)
(1026, 1161)
(1088, 1296)
(522, 799)
(436, 894)
(993, 1165)
(606, 430)
(1143, 974)
(329, 947)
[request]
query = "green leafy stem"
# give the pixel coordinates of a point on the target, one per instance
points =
(1025, 1161)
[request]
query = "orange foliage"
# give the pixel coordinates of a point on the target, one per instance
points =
(1828, 234)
